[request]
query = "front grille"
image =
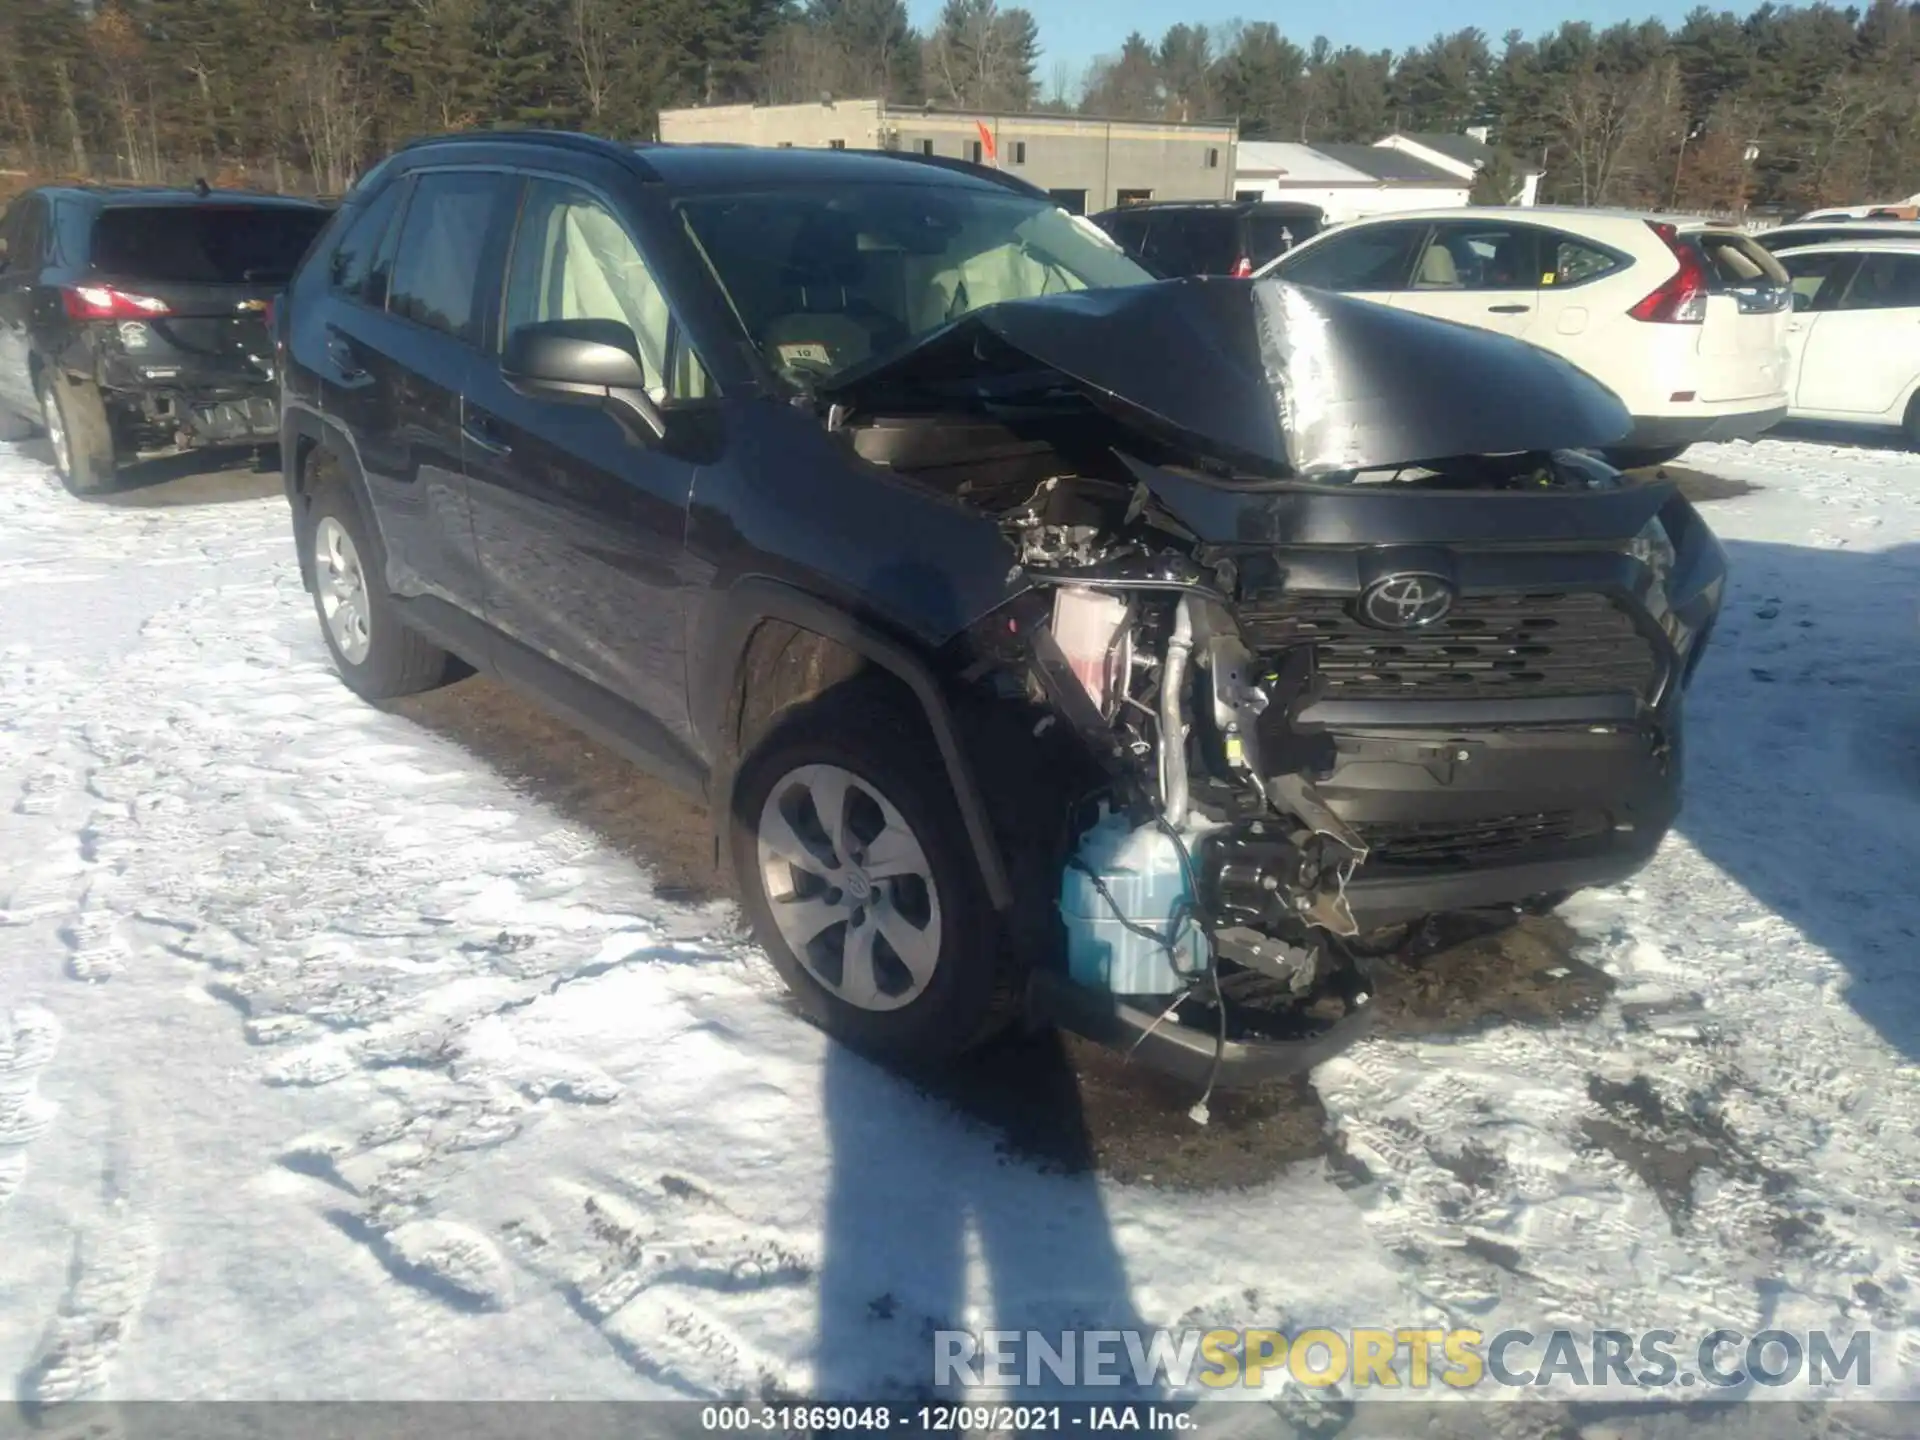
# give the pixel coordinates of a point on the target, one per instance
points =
(1487, 646)
(1456, 842)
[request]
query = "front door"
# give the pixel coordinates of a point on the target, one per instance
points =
(1858, 358)
(581, 527)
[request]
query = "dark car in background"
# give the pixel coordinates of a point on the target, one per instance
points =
(1174, 238)
(133, 321)
(1035, 646)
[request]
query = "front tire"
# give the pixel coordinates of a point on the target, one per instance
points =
(378, 656)
(855, 872)
(1912, 427)
(75, 418)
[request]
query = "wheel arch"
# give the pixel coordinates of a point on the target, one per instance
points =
(309, 446)
(780, 648)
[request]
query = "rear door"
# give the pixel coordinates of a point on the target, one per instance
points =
(412, 286)
(1484, 273)
(1861, 357)
(1743, 342)
(23, 228)
(205, 271)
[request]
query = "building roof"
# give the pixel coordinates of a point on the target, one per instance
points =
(1395, 167)
(1298, 164)
(1464, 148)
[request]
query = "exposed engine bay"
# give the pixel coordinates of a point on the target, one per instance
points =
(1325, 685)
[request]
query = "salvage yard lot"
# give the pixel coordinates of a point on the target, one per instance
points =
(419, 1053)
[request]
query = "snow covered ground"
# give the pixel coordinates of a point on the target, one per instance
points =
(332, 1065)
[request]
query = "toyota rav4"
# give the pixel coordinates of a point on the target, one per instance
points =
(1046, 640)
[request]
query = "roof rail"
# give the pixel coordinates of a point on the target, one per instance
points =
(963, 167)
(565, 139)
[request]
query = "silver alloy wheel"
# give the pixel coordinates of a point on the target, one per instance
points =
(56, 426)
(850, 887)
(341, 584)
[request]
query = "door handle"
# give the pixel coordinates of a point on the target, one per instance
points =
(344, 360)
(1508, 309)
(480, 431)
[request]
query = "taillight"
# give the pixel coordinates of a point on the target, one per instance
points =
(1242, 268)
(1682, 298)
(103, 302)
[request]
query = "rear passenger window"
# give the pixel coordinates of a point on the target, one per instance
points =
(436, 274)
(1885, 282)
(25, 230)
(1574, 262)
(362, 263)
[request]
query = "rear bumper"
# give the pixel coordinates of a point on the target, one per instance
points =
(1656, 432)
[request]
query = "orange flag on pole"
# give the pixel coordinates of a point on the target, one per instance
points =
(986, 142)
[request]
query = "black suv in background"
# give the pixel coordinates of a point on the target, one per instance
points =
(1175, 238)
(1039, 634)
(134, 320)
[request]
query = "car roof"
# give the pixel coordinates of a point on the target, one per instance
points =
(118, 196)
(1545, 214)
(1209, 207)
(712, 165)
(1873, 244)
(1851, 226)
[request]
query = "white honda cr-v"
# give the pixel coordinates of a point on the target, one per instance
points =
(1685, 320)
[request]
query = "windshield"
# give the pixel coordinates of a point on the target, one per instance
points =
(824, 280)
(205, 244)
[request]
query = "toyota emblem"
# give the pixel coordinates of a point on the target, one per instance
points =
(1406, 602)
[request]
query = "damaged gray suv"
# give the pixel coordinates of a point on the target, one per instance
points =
(1049, 642)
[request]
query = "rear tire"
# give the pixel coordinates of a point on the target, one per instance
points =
(14, 428)
(1912, 426)
(1645, 459)
(949, 984)
(75, 418)
(377, 655)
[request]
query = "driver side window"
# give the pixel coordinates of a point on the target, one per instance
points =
(574, 260)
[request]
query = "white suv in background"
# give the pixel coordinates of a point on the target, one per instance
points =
(1685, 320)
(1855, 334)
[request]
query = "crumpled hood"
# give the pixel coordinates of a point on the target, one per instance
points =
(1267, 376)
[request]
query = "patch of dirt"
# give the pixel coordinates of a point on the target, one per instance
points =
(1700, 487)
(1667, 1147)
(648, 821)
(1464, 973)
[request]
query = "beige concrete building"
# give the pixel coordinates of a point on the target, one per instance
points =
(1089, 165)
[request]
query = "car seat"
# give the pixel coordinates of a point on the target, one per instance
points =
(826, 324)
(1437, 270)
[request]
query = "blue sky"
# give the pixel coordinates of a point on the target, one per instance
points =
(1078, 31)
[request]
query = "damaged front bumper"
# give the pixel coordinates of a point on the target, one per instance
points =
(1184, 1051)
(1336, 624)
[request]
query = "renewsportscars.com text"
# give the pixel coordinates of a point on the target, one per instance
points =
(1382, 1360)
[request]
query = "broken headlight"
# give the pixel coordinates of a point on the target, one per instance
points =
(1654, 549)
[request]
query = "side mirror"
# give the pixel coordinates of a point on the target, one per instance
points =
(591, 362)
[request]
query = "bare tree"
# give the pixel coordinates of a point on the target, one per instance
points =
(331, 114)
